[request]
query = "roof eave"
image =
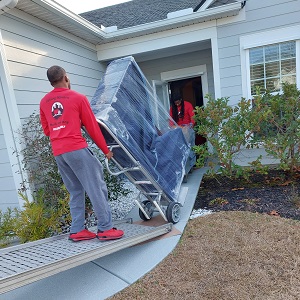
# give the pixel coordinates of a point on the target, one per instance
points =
(195, 17)
(68, 15)
(91, 33)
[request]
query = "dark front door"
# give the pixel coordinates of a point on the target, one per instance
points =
(191, 91)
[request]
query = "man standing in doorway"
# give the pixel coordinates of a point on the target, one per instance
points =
(63, 112)
(181, 111)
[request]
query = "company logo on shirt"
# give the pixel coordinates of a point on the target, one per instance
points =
(57, 110)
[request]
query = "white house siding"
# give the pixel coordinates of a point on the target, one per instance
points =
(8, 194)
(153, 68)
(31, 50)
(31, 47)
(260, 16)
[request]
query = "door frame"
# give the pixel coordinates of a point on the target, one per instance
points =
(179, 74)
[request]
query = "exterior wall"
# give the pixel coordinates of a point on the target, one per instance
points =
(29, 48)
(261, 16)
(8, 194)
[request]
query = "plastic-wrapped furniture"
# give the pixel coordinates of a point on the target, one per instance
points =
(146, 149)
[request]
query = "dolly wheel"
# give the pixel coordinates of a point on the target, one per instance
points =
(149, 209)
(173, 212)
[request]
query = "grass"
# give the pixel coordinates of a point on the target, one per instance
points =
(227, 255)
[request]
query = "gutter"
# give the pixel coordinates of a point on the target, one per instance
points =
(6, 5)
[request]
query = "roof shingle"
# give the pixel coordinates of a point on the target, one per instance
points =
(137, 12)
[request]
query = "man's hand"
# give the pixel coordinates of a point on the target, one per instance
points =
(109, 155)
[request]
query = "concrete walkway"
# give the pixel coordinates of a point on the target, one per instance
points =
(102, 278)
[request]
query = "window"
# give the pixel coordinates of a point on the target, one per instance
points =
(272, 65)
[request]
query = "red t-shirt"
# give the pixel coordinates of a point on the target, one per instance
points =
(188, 114)
(63, 112)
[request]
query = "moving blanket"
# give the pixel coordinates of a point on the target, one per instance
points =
(125, 102)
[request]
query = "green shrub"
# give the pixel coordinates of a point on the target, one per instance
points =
(7, 222)
(227, 130)
(38, 161)
(280, 132)
(37, 220)
(273, 120)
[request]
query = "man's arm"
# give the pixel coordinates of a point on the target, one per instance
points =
(191, 113)
(44, 123)
(92, 127)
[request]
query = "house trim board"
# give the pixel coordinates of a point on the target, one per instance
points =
(157, 41)
(10, 121)
(6, 5)
(194, 71)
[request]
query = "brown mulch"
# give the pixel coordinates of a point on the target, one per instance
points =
(276, 193)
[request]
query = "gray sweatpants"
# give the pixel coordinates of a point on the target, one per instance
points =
(82, 172)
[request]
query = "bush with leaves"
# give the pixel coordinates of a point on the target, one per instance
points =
(38, 161)
(227, 129)
(272, 120)
(280, 132)
(37, 220)
(7, 222)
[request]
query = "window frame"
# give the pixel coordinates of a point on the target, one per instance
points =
(265, 38)
(265, 64)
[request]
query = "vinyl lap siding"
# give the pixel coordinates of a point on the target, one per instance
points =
(260, 16)
(30, 49)
(8, 193)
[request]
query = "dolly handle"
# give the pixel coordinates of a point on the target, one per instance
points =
(121, 171)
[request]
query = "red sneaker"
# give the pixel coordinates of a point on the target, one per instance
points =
(111, 234)
(82, 235)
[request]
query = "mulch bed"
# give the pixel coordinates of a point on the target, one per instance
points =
(276, 194)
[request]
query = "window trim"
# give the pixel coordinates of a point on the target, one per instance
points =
(291, 33)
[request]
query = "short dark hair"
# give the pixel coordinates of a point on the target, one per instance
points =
(55, 74)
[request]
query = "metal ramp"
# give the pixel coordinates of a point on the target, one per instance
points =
(26, 263)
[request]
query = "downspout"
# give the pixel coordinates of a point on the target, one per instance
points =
(6, 5)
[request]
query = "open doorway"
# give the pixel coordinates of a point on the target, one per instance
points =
(191, 91)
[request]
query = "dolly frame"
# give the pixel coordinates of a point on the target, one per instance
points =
(156, 200)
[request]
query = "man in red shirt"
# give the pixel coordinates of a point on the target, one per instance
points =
(182, 112)
(63, 112)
